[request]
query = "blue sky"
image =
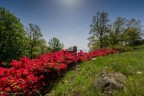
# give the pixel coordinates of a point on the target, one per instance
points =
(69, 20)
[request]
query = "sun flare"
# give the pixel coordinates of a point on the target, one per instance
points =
(70, 3)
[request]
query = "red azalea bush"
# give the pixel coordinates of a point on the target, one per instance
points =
(28, 76)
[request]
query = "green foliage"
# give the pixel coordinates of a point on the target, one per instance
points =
(13, 39)
(42, 44)
(124, 31)
(132, 37)
(120, 32)
(40, 48)
(122, 48)
(94, 46)
(79, 82)
(37, 45)
(55, 45)
(98, 28)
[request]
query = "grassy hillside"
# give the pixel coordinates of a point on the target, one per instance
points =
(79, 82)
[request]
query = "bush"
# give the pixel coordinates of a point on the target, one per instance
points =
(122, 48)
(33, 76)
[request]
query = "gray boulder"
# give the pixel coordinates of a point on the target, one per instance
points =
(109, 82)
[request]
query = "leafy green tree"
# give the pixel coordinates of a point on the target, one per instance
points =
(41, 47)
(34, 35)
(132, 37)
(13, 38)
(121, 32)
(124, 31)
(98, 29)
(55, 45)
(94, 46)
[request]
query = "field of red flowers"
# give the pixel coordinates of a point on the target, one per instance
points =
(30, 76)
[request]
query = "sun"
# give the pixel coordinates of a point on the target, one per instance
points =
(70, 3)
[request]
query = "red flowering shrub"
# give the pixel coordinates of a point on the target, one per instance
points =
(29, 76)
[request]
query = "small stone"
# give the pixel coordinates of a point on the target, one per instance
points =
(94, 58)
(139, 72)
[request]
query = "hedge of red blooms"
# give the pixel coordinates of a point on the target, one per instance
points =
(28, 76)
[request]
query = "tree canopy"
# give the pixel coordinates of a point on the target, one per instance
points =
(55, 45)
(98, 28)
(123, 31)
(12, 36)
(37, 44)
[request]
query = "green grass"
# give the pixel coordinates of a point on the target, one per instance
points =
(79, 82)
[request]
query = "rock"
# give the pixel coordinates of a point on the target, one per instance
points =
(93, 58)
(139, 72)
(110, 81)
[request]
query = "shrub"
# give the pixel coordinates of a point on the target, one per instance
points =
(30, 75)
(122, 48)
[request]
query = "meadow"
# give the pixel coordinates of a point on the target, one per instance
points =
(79, 82)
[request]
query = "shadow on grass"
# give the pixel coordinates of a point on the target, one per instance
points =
(54, 78)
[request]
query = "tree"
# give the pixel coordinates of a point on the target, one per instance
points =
(99, 28)
(41, 47)
(34, 35)
(12, 36)
(55, 45)
(132, 37)
(124, 31)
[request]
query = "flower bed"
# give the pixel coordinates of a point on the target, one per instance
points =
(29, 76)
